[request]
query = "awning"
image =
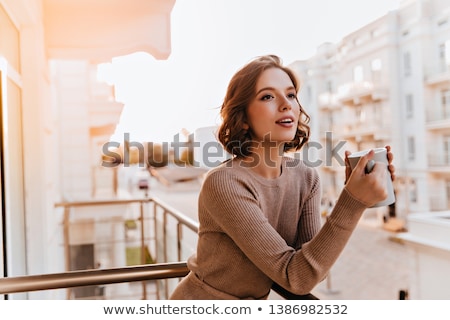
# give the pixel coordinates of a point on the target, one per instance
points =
(98, 30)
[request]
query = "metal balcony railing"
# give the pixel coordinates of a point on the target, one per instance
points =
(159, 271)
(153, 228)
(92, 277)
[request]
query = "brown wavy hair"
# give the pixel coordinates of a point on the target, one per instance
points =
(240, 92)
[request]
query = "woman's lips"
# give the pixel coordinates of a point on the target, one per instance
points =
(285, 122)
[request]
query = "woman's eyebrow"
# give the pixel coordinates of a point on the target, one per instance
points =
(273, 89)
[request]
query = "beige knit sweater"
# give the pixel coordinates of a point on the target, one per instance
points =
(256, 231)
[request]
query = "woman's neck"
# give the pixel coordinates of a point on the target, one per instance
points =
(266, 161)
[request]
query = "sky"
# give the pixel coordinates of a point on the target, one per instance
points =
(212, 39)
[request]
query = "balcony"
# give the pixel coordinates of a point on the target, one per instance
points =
(328, 100)
(163, 232)
(439, 162)
(357, 93)
(357, 262)
(428, 237)
(101, 235)
(143, 26)
(438, 75)
(367, 131)
(438, 119)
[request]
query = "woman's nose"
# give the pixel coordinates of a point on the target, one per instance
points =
(285, 104)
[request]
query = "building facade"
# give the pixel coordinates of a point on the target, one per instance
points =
(387, 83)
(49, 50)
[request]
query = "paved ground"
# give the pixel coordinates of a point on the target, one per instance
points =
(372, 267)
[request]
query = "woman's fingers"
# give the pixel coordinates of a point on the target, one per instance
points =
(348, 170)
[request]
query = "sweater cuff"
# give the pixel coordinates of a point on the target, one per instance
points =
(354, 201)
(347, 211)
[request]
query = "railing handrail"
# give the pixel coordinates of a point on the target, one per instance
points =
(87, 203)
(179, 216)
(92, 277)
(182, 218)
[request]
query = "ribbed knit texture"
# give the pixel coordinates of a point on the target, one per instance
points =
(256, 231)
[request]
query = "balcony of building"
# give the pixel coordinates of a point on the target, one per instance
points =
(438, 183)
(377, 132)
(438, 118)
(357, 93)
(123, 234)
(439, 200)
(438, 74)
(328, 101)
(109, 28)
(439, 125)
(439, 160)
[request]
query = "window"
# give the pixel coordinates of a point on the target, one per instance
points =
(444, 55)
(309, 93)
(376, 64)
(329, 86)
(358, 41)
(375, 32)
(407, 64)
(445, 103)
(446, 150)
(411, 148)
(360, 114)
(409, 101)
(413, 191)
(377, 115)
(447, 189)
(358, 74)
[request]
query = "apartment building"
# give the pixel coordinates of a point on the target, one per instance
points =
(49, 50)
(387, 83)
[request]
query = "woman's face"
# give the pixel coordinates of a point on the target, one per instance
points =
(274, 109)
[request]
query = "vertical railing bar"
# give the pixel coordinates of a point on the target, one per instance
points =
(143, 260)
(166, 283)
(155, 227)
(66, 243)
(179, 237)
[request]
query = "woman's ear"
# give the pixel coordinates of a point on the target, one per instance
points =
(245, 126)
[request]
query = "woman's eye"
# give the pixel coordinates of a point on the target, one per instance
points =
(266, 97)
(292, 95)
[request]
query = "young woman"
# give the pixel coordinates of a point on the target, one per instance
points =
(259, 212)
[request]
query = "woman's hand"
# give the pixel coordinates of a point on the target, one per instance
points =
(390, 157)
(368, 188)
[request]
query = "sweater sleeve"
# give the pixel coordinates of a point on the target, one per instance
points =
(309, 223)
(232, 206)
